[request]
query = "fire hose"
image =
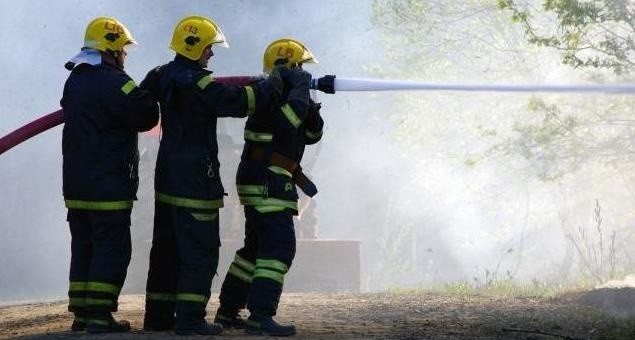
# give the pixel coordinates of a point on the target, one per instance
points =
(332, 84)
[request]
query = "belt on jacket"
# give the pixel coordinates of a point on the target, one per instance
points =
(259, 154)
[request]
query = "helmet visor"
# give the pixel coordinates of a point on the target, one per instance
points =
(308, 58)
(220, 39)
(131, 46)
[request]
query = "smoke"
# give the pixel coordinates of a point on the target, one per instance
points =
(41, 37)
(421, 214)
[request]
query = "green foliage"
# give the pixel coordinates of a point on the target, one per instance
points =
(463, 40)
(550, 146)
(567, 136)
(591, 34)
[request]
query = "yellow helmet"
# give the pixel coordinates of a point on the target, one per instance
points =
(193, 34)
(107, 35)
(293, 50)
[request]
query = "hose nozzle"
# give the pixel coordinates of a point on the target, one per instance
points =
(325, 84)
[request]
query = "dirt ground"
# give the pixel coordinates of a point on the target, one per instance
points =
(384, 316)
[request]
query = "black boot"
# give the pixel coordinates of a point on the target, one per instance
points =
(229, 320)
(105, 323)
(79, 323)
(201, 328)
(256, 325)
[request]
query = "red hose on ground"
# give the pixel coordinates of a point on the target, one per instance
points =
(56, 118)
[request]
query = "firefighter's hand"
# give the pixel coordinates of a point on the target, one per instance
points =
(281, 61)
(283, 71)
(299, 78)
(314, 108)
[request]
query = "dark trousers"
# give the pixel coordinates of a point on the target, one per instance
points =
(183, 260)
(100, 254)
(268, 236)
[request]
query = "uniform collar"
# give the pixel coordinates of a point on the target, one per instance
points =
(93, 58)
(85, 56)
(193, 64)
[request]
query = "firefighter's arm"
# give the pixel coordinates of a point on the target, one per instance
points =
(293, 111)
(152, 83)
(135, 107)
(314, 123)
(238, 101)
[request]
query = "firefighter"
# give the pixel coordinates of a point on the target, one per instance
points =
(103, 112)
(266, 181)
(188, 189)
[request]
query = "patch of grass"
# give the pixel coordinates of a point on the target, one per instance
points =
(498, 288)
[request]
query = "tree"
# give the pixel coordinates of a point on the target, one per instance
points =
(555, 136)
(590, 34)
(452, 41)
(559, 151)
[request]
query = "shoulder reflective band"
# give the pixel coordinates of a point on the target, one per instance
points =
(258, 136)
(94, 205)
(313, 135)
(203, 82)
(128, 87)
(188, 202)
(251, 100)
(291, 116)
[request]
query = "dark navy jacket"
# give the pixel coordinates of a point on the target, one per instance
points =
(187, 170)
(103, 112)
(284, 129)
